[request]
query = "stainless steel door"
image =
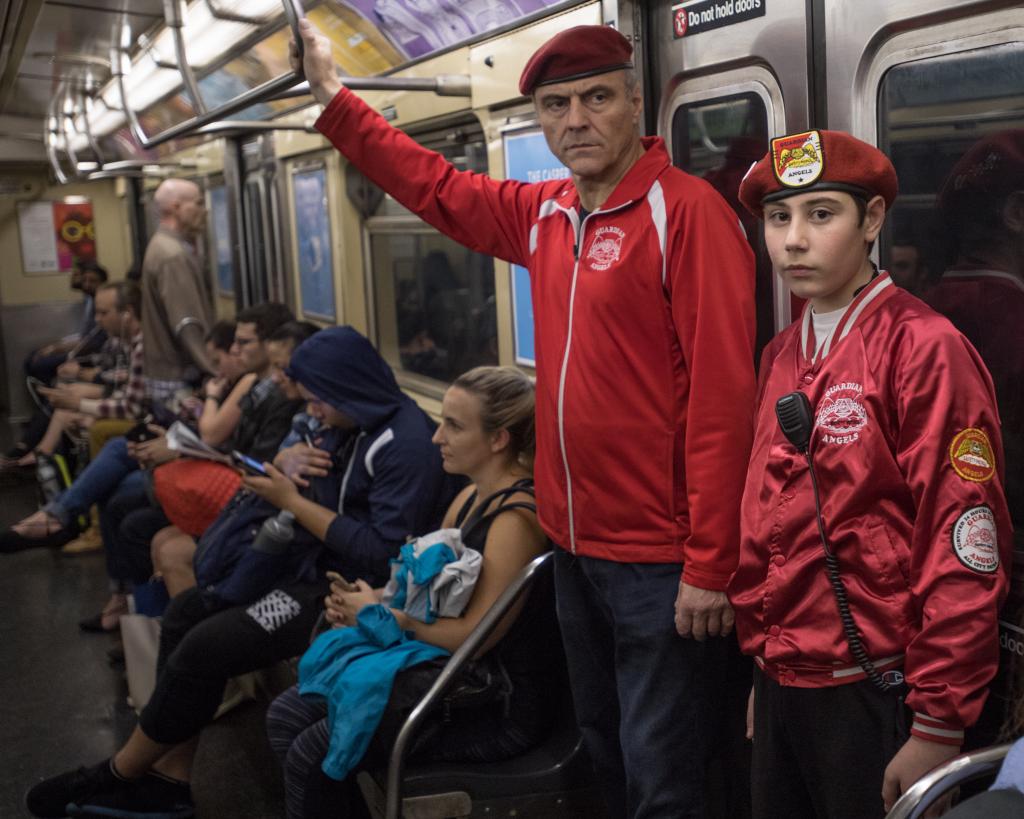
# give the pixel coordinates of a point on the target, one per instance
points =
(940, 88)
(727, 77)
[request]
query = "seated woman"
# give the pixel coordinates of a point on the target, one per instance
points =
(486, 433)
(386, 478)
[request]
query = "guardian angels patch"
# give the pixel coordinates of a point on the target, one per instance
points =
(970, 453)
(974, 540)
(606, 248)
(798, 159)
(841, 413)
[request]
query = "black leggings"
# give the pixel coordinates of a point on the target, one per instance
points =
(205, 641)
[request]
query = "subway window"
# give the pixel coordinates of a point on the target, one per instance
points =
(718, 139)
(954, 128)
(433, 299)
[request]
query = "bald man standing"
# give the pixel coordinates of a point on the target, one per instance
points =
(176, 305)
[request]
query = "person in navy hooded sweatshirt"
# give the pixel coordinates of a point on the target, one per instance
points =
(372, 478)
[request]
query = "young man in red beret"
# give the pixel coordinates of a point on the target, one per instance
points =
(642, 287)
(870, 571)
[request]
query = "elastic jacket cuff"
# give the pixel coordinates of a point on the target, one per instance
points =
(702, 579)
(935, 730)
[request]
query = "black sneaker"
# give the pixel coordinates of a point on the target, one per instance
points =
(97, 792)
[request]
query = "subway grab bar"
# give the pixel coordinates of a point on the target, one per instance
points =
(120, 65)
(444, 85)
(935, 784)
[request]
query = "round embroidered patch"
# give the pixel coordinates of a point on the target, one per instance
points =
(974, 540)
(970, 453)
(841, 414)
(798, 159)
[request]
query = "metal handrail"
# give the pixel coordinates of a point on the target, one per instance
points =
(228, 125)
(51, 154)
(936, 783)
(86, 102)
(472, 645)
(174, 15)
(220, 14)
(293, 11)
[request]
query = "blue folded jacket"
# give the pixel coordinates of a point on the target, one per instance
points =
(354, 669)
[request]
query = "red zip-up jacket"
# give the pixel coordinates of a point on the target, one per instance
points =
(908, 457)
(644, 326)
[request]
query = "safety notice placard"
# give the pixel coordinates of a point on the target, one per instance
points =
(698, 16)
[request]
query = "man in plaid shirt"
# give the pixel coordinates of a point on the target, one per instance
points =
(128, 402)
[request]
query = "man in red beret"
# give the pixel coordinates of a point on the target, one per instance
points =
(875, 533)
(643, 293)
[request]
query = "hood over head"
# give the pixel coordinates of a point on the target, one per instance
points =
(340, 367)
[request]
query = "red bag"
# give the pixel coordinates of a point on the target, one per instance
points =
(193, 492)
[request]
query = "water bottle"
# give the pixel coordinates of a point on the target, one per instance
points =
(46, 475)
(276, 534)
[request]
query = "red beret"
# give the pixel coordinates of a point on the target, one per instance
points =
(991, 167)
(577, 52)
(818, 160)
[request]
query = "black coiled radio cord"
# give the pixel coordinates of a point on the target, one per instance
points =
(835, 579)
(796, 421)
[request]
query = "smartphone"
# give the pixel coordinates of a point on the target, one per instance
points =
(346, 585)
(250, 465)
(141, 432)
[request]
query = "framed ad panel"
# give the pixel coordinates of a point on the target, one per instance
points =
(313, 241)
(55, 235)
(528, 159)
(219, 232)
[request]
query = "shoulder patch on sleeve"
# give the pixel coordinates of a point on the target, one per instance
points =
(974, 540)
(970, 454)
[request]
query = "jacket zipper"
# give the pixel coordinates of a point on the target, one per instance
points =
(578, 233)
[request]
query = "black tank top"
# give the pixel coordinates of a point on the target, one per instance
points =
(531, 649)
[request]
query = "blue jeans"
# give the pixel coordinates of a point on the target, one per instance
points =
(642, 693)
(96, 483)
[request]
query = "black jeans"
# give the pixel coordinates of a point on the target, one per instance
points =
(822, 752)
(205, 641)
(642, 692)
(128, 521)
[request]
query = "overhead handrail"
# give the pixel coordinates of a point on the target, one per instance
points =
(51, 154)
(293, 11)
(936, 783)
(234, 17)
(444, 85)
(227, 125)
(174, 15)
(86, 102)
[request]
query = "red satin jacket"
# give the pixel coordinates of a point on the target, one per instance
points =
(908, 455)
(644, 325)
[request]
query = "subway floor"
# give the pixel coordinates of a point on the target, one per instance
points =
(62, 704)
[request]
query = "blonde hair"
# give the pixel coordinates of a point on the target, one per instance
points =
(506, 402)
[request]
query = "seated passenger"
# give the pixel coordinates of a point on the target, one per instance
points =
(267, 413)
(385, 477)
(172, 549)
(44, 362)
(881, 591)
(486, 433)
(257, 416)
(117, 311)
(126, 570)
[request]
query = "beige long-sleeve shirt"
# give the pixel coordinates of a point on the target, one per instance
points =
(177, 310)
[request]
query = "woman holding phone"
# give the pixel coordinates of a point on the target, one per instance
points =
(486, 434)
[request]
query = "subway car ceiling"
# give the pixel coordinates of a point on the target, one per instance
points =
(114, 95)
